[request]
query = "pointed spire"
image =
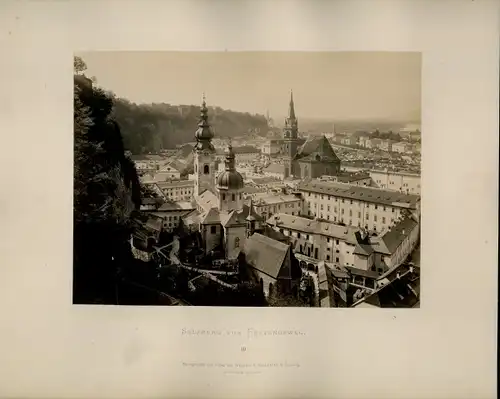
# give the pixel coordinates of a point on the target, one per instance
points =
(291, 108)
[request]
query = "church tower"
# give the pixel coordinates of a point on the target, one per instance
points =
(290, 136)
(251, 220)
(230, 185)
(204, 154)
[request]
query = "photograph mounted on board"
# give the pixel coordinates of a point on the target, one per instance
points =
(282, 179)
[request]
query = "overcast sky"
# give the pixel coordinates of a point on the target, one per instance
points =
(327, 85)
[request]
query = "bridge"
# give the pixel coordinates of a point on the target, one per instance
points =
(306, 262)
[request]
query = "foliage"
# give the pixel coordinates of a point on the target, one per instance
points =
(152, 127)
(79, 65)
(106, 193)
(386, 136)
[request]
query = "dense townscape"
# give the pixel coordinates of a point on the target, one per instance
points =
(273, 216)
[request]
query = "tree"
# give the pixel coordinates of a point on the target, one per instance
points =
(79, 65)
(106, 193)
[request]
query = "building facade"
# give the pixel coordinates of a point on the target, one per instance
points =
(370, 208)
(267, 205)
(177, 190)
(408, 183)
(349, 246)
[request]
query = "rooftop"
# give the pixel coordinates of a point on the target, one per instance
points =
(360, 193)
(409, 174)
(265, 254)
(245, 149)
(275, 168)
(175, 183)
(172, 206)
(393, 238)
(297, 223)
(207, 200)
(275, 199)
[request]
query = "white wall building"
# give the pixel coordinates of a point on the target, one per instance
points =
(348, 246)
(396, 181)
(177, 190)
(266, 205)
(370, 208)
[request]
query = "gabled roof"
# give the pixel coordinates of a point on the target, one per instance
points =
(207, 200)
(393, 238)
(265, 254)
(211, 216)
(363, 249)
(232, 218)
(176, 164)
(184, 151)
(317, 146)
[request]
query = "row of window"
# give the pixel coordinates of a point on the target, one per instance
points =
(374, 206)
(233, 197)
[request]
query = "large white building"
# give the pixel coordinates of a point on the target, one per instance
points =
(177, 190)
(408, 183)
(349, 246)
(370, 208)
(171, 213)
(267, 205)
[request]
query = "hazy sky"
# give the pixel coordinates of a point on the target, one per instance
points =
(337, 86)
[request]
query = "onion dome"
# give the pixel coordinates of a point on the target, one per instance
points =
(230, 179)
(204, 133)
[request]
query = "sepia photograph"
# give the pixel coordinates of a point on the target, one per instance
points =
(256, 179)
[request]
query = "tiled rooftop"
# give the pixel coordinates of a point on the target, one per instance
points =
(297, 223)
(176, 183)
(360, 193)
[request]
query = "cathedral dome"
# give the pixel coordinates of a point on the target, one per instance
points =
(230, 180)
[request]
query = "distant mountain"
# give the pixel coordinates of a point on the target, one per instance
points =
(152, 127)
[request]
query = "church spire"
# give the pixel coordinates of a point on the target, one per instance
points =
(204, 133)
(291, 107)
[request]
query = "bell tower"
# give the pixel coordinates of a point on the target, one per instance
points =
(204, 154)
(290, 136)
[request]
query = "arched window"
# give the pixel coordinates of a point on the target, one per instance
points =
(223, 197)
(237, 242)
(206, 169)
